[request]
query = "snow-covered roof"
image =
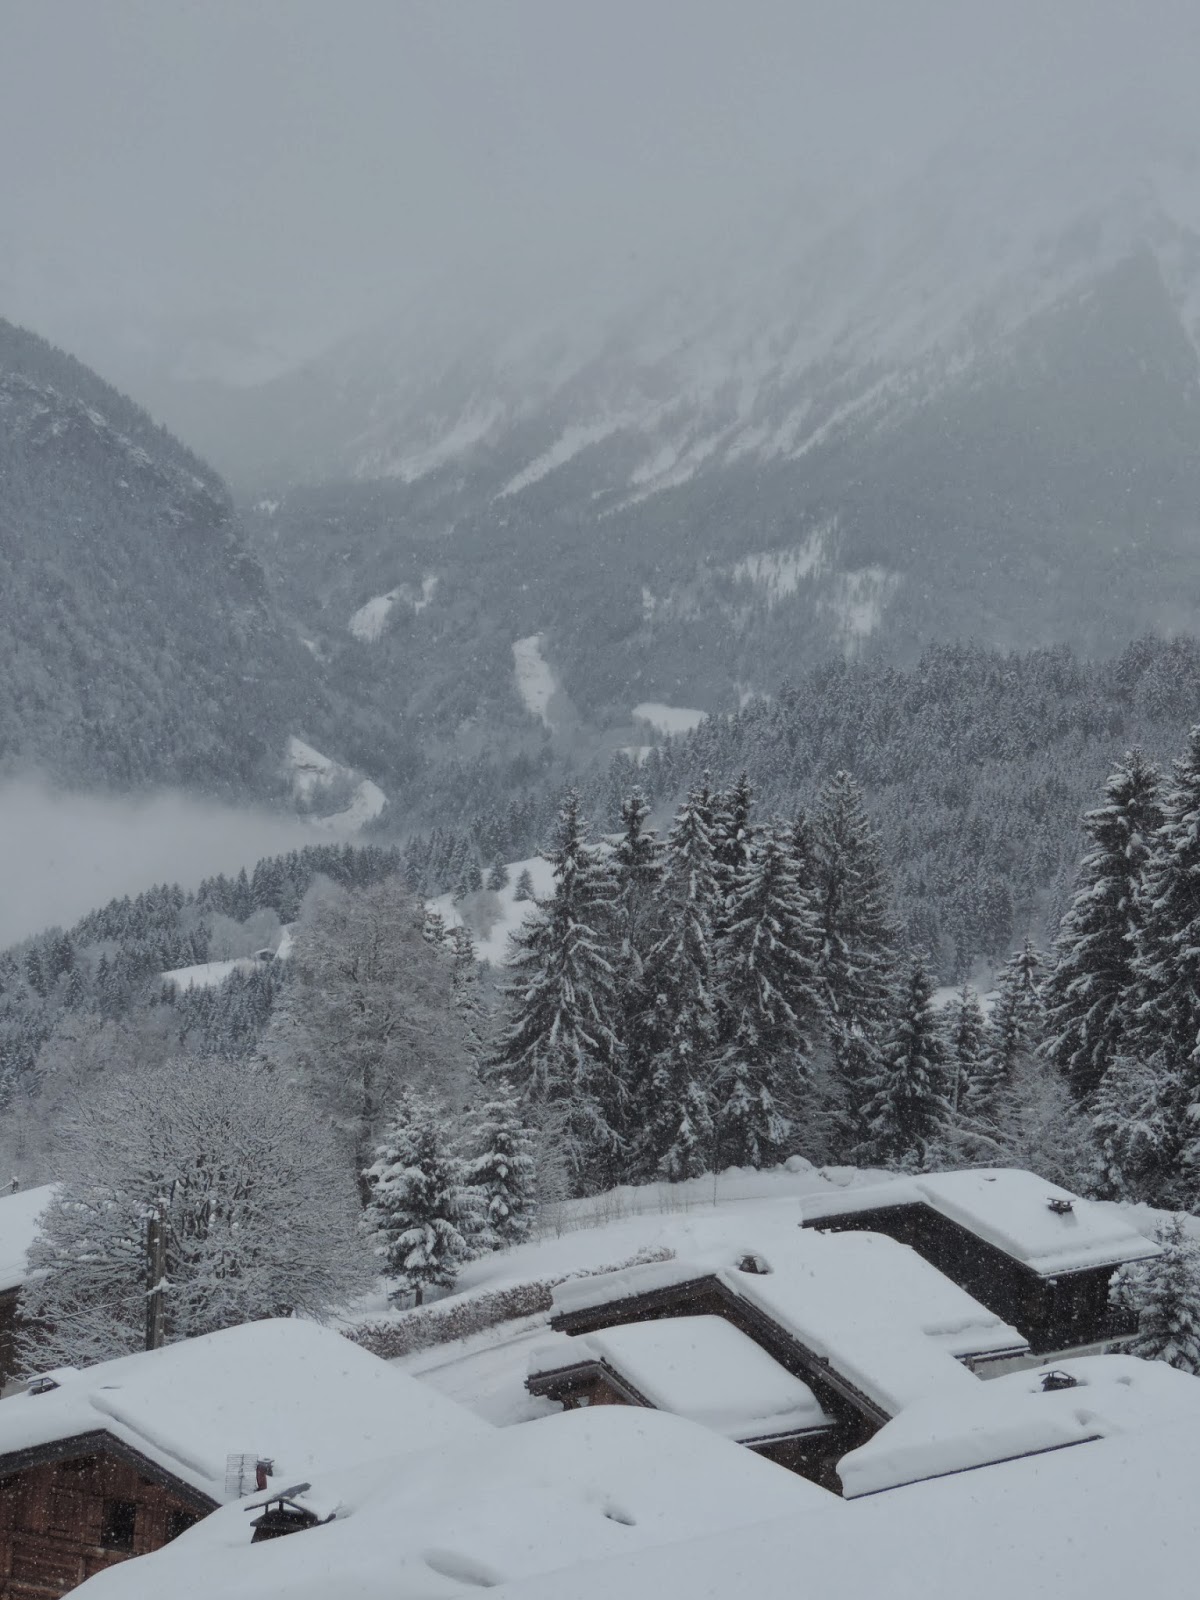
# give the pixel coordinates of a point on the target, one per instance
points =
(20, 1214)
(289, 1390)
(881, 1316)
(575, 1487)
(1111, 1520)
(1011, 1210)
(702, 1368)
(1014, 1416)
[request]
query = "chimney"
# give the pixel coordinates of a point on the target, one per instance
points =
(263, 1469)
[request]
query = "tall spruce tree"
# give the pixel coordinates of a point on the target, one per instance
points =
(771, 1006)
(1165, 1295)
(637, 864)
(422, 1210)
(501, 1169)
(857, 952)
(677, 1110)
(907, 1108)
(559, 1044)
(966, 1047)
(1091, 985)
(1015, 1027)
(1164, 1027)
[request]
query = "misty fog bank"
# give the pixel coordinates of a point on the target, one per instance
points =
(61, 854)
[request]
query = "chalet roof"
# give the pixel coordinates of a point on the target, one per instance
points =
(1012, 1416)
(702, 1368)
(574, 1487)
(20, 1214)
(1107, 1522)
(1008, 1208)
(289, 1390)
(879, 1315)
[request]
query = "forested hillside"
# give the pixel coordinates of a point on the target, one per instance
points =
(138, 644)
(976, 766)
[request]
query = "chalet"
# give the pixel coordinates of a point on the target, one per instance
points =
(118, 1459)
(1037, 1255)
(589, 1485)
(20, 1214)
(862, 1325)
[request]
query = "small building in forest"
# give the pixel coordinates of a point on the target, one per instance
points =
(1035, 1254)
(20, 1215)
(116, 1460)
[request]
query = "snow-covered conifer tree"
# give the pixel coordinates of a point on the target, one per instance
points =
(637, 863)
(1136, 1149)
(558, 1043)
(1165, 1294)
(497, 878)
(1164, 1024)
(422, 1212)
(966, 1047)
(907, 1108)
(857, 955)
(524, 888)
(676, 1140)
(1091, 985)
(771, 1006)
(1015, 1027)
(501, 1168)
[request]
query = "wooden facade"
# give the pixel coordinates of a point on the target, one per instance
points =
(813, 1453)
(74, 1507)
(1055, 1312)
(9, 1302)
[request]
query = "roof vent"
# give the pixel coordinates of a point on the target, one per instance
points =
(757, 1266)
(1060, 1205)
(1055, 1380)
(42, 1386)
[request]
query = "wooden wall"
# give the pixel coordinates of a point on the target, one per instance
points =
(53, 1516)
(8, 1328)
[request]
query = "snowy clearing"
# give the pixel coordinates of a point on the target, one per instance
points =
(311, 772)
(536, 683)
(369, 621)
(668, 719)
(492, 915)
(779, 573)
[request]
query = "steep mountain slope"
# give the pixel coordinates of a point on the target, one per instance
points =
(971, 410)
(138, 644)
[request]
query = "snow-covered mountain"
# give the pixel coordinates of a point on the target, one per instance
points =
(968, 409)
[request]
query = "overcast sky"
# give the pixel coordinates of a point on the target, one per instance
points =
(287, 169)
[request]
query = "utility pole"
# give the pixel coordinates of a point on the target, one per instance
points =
(156, 1271)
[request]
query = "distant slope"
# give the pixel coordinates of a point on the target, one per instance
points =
(138, 644)
(971, 412)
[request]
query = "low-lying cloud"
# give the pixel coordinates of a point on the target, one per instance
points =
(63, 853)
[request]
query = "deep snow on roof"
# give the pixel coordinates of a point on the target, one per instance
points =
(1014, 1416)
(20, 1214)
(884, 1319)
(1011, 1210)
(702, 1368)
(576, 1487)
(1108, 1521)
(289, 1390)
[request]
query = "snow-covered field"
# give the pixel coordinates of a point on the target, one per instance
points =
(536, 684)
(311, 773)
(669, 719)
(369, 621)
(492, 915)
